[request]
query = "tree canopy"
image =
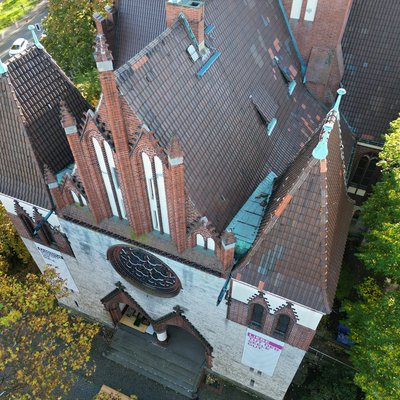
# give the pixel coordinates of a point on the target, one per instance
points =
(41, 344)
(13, 253)
(70, 33)
(381, 212)
(375, 328)
(375, 319)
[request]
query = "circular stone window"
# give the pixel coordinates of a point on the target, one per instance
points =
(144, 270)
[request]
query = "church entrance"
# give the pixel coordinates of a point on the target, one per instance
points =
(169, 350)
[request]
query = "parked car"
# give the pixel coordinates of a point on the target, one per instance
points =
(18, 47)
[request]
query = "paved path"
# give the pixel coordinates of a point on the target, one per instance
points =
(20, 28)
(130, 382)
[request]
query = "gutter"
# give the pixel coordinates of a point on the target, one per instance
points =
(296, 48)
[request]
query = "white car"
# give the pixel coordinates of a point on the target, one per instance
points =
(18, 47)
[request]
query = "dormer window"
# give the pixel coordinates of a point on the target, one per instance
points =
(282, 327)
(257, 315)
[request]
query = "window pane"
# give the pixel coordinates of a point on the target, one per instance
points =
(257, 314)
(282, 325)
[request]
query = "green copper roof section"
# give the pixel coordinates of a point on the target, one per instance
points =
(35, 38)
(67, 170)
(3, 68)
(320, 151)
(246, 222)
(341, 92)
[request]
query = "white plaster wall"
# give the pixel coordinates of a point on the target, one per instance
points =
(307, 317)
(95, 278)
(8, 203)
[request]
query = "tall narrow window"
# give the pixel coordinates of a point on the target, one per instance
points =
(311, 9)
(365, 171)
(257, 315)
(148, 172)
(162, 194)
(210, 244)
(282, 326)
(115, 178)
(104, 174)
(296, 9)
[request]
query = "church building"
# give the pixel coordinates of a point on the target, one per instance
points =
(202, 207)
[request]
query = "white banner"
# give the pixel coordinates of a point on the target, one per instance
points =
(261, 352)
(55, 259)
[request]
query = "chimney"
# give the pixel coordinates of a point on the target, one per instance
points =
(318, 27)
(193, 12)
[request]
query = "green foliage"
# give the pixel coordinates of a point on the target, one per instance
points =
(381, 212)
(88, 84)
(13, 10)
(375, 328)
(330, 382)
(13, 253)
(70, 36)
(41, 344)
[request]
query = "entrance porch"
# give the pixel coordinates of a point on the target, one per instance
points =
(178, 366)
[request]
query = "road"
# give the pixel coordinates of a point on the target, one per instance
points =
(8, 35)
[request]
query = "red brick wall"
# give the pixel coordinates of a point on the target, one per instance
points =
(298, 335)
(325, 32)
(195, 17)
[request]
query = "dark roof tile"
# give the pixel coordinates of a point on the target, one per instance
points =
(371, 49)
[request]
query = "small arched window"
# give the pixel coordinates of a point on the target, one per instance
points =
(365, 171)
(257, 315)
(200, 240)
(282, 326)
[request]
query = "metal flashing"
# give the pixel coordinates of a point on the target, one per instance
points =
(271, 126)
(208, 64)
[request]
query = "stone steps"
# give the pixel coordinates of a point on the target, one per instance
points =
(139, 353)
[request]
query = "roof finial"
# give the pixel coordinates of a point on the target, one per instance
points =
(341, 92)
(3, 68)
(320, 151)
(35, 39)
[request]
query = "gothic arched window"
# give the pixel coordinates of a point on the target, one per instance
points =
(282, 326)
(365, 171)
(257, 314)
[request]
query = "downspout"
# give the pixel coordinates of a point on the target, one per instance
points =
(296, 48)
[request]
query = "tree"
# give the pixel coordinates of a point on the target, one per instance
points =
(374, 322)
(41, 344)
(13, 253)
(70, 33)
(381, 212)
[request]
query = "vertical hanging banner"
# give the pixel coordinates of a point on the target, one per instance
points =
(261, 352)
(55, 259)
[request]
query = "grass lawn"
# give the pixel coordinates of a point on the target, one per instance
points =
(13, 10)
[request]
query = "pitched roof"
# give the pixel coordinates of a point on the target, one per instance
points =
(227, 149)
(139, 22)
(371, 50)
(40, 85)
(300, 245)
(21, 177)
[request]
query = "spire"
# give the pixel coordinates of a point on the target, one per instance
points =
(320, 152)
(341, 92)
(3, 68)
(35, 39)
(102, 54)
(175, 153)
(68, 121)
